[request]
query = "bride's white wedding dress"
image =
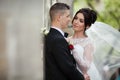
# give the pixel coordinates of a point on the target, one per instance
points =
(83, 52)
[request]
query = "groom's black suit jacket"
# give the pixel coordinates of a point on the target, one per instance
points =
(59, 63)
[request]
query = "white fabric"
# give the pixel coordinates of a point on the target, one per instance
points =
(83, 52)
(106, 33)
(107, 48)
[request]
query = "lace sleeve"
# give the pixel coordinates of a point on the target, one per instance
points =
(84, 61)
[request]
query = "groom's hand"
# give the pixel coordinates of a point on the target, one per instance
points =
(86, 76)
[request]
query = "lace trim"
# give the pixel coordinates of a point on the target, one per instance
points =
(82, 41)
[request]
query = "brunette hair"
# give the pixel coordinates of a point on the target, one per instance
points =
(90, 16)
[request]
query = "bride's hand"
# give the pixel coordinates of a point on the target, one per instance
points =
(86, 76)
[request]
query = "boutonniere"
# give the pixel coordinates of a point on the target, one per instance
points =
(71, 47)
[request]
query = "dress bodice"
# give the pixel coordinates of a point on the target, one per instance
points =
(81, 41)
(83, 50)
(79, 49)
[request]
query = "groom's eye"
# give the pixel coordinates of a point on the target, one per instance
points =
(68, 16)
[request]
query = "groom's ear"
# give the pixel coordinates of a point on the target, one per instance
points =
(59, 16)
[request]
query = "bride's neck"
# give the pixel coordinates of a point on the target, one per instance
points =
(79, 35)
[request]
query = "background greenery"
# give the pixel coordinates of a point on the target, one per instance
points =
(108, 10)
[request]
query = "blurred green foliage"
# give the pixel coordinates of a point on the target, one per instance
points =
(108, 10)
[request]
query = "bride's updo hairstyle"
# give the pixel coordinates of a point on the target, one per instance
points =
(90, 16)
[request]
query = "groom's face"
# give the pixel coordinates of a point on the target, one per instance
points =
(65, 19)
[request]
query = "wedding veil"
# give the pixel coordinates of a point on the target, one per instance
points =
(107, 48)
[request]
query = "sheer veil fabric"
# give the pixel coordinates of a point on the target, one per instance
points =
(105, 32)
(107, 48)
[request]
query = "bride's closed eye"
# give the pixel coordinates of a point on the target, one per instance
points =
(81, 20)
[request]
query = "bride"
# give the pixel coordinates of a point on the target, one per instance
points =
(83, 46)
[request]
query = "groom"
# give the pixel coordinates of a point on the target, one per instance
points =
(59, 63)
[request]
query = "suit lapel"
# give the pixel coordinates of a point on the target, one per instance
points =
(58, 34)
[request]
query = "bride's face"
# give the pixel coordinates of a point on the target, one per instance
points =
(78, 22)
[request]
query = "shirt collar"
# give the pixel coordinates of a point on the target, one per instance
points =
(58, 30)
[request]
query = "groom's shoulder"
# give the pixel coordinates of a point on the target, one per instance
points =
(55, 37)
(51, 36)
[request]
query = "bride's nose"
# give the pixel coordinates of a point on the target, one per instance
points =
(76, 21)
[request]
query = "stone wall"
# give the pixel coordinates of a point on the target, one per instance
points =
(21, 43)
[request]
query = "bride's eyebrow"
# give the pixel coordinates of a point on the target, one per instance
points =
(81, 19)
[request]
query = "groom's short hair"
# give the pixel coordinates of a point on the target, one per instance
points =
(58, 8)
